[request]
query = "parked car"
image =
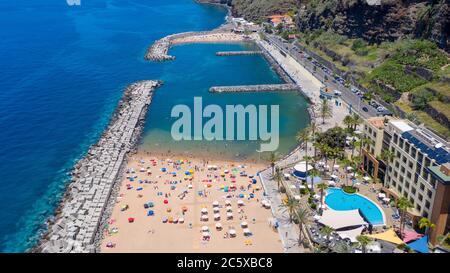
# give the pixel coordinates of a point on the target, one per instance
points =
(365, 109)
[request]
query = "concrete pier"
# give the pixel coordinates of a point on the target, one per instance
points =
(254, 88)
(85, 208)
(237, 53)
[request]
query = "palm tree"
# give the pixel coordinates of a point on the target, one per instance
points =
(301, 215)
(363, 142)
(273, 160)
(303, 137)
(314, 127)
(356, 120)
(325, 110)
(348, 121)
(313, 173)
(363, 241)
(278, 176)
(427, 224)
(327, 231)
(322, 187)
(403, 204)
(387, 156)
(291, 206)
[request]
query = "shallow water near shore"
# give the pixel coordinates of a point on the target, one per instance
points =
(64, 70)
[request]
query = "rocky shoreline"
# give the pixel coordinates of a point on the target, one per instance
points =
(88, 200)
(254, 88)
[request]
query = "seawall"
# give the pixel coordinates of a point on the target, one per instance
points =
(254, 88)
(84, 208)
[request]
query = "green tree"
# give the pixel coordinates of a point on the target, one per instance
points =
(291, 205)
(327, 231)
(387, 156)
(403, 204)
(322, 187)
(363, 241)
(304, 137)
(425, 223)
(301, 215)
(278, 176)
(273, 160)
(325, 110)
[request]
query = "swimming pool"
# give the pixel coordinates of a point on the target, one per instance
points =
(337, 199)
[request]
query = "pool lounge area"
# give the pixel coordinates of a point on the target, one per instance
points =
(337, 199)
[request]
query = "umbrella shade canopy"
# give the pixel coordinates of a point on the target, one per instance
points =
(331, 183)
(244, 224)
(388, 236)
(381, 195)
(215, 203)
(229, 214)
(409, 235)
(216, 216)
(205, 228)
(240, 202)
(216, 209)
(205, 234)
(350, 234)
(341, 219)
(420, 245)
(204, 210)
(181, 220)
(232, 231)
(297, 197)
(227, 202)
(218, 225)
(205, 217)
(247, 231)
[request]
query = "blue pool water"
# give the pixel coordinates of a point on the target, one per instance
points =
(337, 199)
(64, 68)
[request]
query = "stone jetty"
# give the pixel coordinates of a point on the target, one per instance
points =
(85, 208)
(254, 88)
(159, 50)
(238, 53)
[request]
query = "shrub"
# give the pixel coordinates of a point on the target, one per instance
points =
(349, 189)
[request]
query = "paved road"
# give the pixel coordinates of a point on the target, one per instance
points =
(357, 104)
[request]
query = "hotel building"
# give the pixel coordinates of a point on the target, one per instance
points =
(419, 170)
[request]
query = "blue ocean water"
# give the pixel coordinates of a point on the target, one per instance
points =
(64, 68)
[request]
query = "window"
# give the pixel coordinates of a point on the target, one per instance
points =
(429, 193)
(410, 164)
(425, 214)
(418, 207)
(420, 197)
(427, 204)
(422, 187)
(395, 138)
(413, 190)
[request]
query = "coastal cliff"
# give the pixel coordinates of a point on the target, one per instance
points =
(374, 21)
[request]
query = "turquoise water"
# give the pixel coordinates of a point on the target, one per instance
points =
(201, 70)
(337, 199)
(63, 70)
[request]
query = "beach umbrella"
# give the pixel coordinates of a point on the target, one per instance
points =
(229, 215)
(184, 208)
(254, 181)
(240, 202)
(150, 213)
(163, 170)
(166, 201)
(205, 228)
(205, 234)
(204, 218)
(331, 183)
(215, 203)
(217, 216)
(204, 210)
(247, 232)
(232, 232)
(227, 202)
(130, 220)
(216, 209)
(218, 226)
(381, 195)
(229, 209)
(241, 195)
(164, 219)
(244, 224)
(297, 197)
(181, 220)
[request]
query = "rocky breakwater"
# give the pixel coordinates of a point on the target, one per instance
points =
(85, 206)
(254, 88)
(159, 50)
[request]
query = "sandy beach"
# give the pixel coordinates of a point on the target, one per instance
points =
(163, 204)
(219, 37)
